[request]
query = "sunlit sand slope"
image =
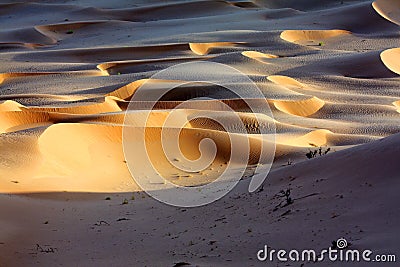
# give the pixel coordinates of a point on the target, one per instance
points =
(328, 70)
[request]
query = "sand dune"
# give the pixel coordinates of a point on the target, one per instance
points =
(98, 154)
(285, 81)
(12, 121)
(306, 108)
(71, 83)
(29, 37)
(312, 37)
(10, 105)
(315, 138)
(261, 57)
(206, 48)
(366, 65)
(300, 107)
(389, 9)
(397, 104)
(391, 59)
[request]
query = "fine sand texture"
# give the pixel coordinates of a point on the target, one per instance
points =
(69, 73)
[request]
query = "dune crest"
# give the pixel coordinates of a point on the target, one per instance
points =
(315, 138)
(205, 48)
(389, 9)
(391, 59)
(258, 55)
(285, 81)
(303, 108)
(10, 105)
(397, 104)
(311, 36)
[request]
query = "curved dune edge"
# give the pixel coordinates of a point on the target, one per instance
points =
(285, 81)
(300, 36)
(11, 121)
(388, 9)
(397, 105)
(391, 59)
(10, 105)
(205, 48)
(127, 91)
(258, 55)
(312, 139)
(301, 108)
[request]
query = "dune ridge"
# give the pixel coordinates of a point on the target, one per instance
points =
(300, 107)
(389, 9)
(206, 48)
(391, 59)
(311, 36)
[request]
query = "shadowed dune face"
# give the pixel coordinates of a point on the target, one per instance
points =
(329, 78)
(300, 5)
(29, 37)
